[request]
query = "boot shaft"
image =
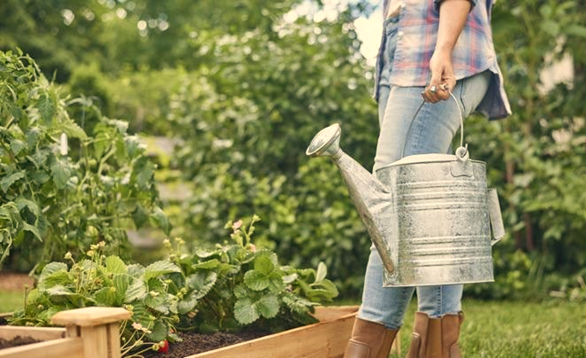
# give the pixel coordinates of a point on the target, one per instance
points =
(436, 337)
(370, 340)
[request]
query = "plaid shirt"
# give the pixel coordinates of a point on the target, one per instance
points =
(473, 53)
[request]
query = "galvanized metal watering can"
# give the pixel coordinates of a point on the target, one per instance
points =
(428, 215)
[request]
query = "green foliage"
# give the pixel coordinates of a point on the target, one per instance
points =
(245, 122)
(62, 34)
(144, 97)
(247, 118)
(247, 114)
(225, 289)
(245, 91)
(250, 93)
(88, 84)
(59, 199)
(537, 157)
(108, 282)
(236, 284)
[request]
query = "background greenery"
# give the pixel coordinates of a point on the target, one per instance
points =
(62, 189)
(241, 92)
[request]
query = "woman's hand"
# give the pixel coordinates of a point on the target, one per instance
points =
(443, 79)
(452, 17)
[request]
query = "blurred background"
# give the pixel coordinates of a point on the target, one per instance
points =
(227, 94)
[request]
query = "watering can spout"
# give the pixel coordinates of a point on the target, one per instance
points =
(371, 197)
(326, 143)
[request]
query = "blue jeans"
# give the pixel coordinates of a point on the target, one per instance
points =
(409, 126)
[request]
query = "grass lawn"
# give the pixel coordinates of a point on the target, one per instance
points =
(517, 329)
(10, 300)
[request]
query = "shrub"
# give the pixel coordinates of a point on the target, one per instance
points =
(58, 196)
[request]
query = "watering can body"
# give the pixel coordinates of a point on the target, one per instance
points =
(429, 215)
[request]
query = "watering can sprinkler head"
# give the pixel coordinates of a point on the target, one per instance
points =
(326, 143)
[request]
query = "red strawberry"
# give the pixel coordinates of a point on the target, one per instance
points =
(164, 347)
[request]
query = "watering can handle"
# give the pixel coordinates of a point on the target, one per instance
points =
(496, 219)
(462, 151)
(494, 208)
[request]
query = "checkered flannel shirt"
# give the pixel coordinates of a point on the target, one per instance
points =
(473, 53)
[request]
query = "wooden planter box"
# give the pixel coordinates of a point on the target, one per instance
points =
(326, 339)
(89, 333)
(93, 333)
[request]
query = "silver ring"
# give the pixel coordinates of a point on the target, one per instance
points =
(433, 89)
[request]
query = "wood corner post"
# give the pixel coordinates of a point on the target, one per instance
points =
(97, 326)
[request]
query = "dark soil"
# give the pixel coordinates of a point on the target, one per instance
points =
(17, 341)
(194, 343)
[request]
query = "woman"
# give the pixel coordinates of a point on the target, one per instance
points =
(430, 49)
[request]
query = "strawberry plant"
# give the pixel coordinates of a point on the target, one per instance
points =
(57, 196)
(237, 284)
(225, 289)
(108, 282)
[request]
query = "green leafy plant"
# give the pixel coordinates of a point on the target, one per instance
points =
(259, 89)
(107, 281)
(536, 157)
(57, 196)
(228, 288)
(244, 134)
(237, 284)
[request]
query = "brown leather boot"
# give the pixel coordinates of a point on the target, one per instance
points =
(369, 340)
(436, 337)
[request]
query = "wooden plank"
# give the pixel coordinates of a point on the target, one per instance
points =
(328, 313)
(321, 340)
(112, 331)
(95, 342)
(58, 348)
(73, 331)
(38, 333)
(90, 316)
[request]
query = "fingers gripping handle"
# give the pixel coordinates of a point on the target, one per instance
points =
(496, 219)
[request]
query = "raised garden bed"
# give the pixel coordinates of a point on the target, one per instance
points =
(93, 333)
(326, 339)
(89, 333)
